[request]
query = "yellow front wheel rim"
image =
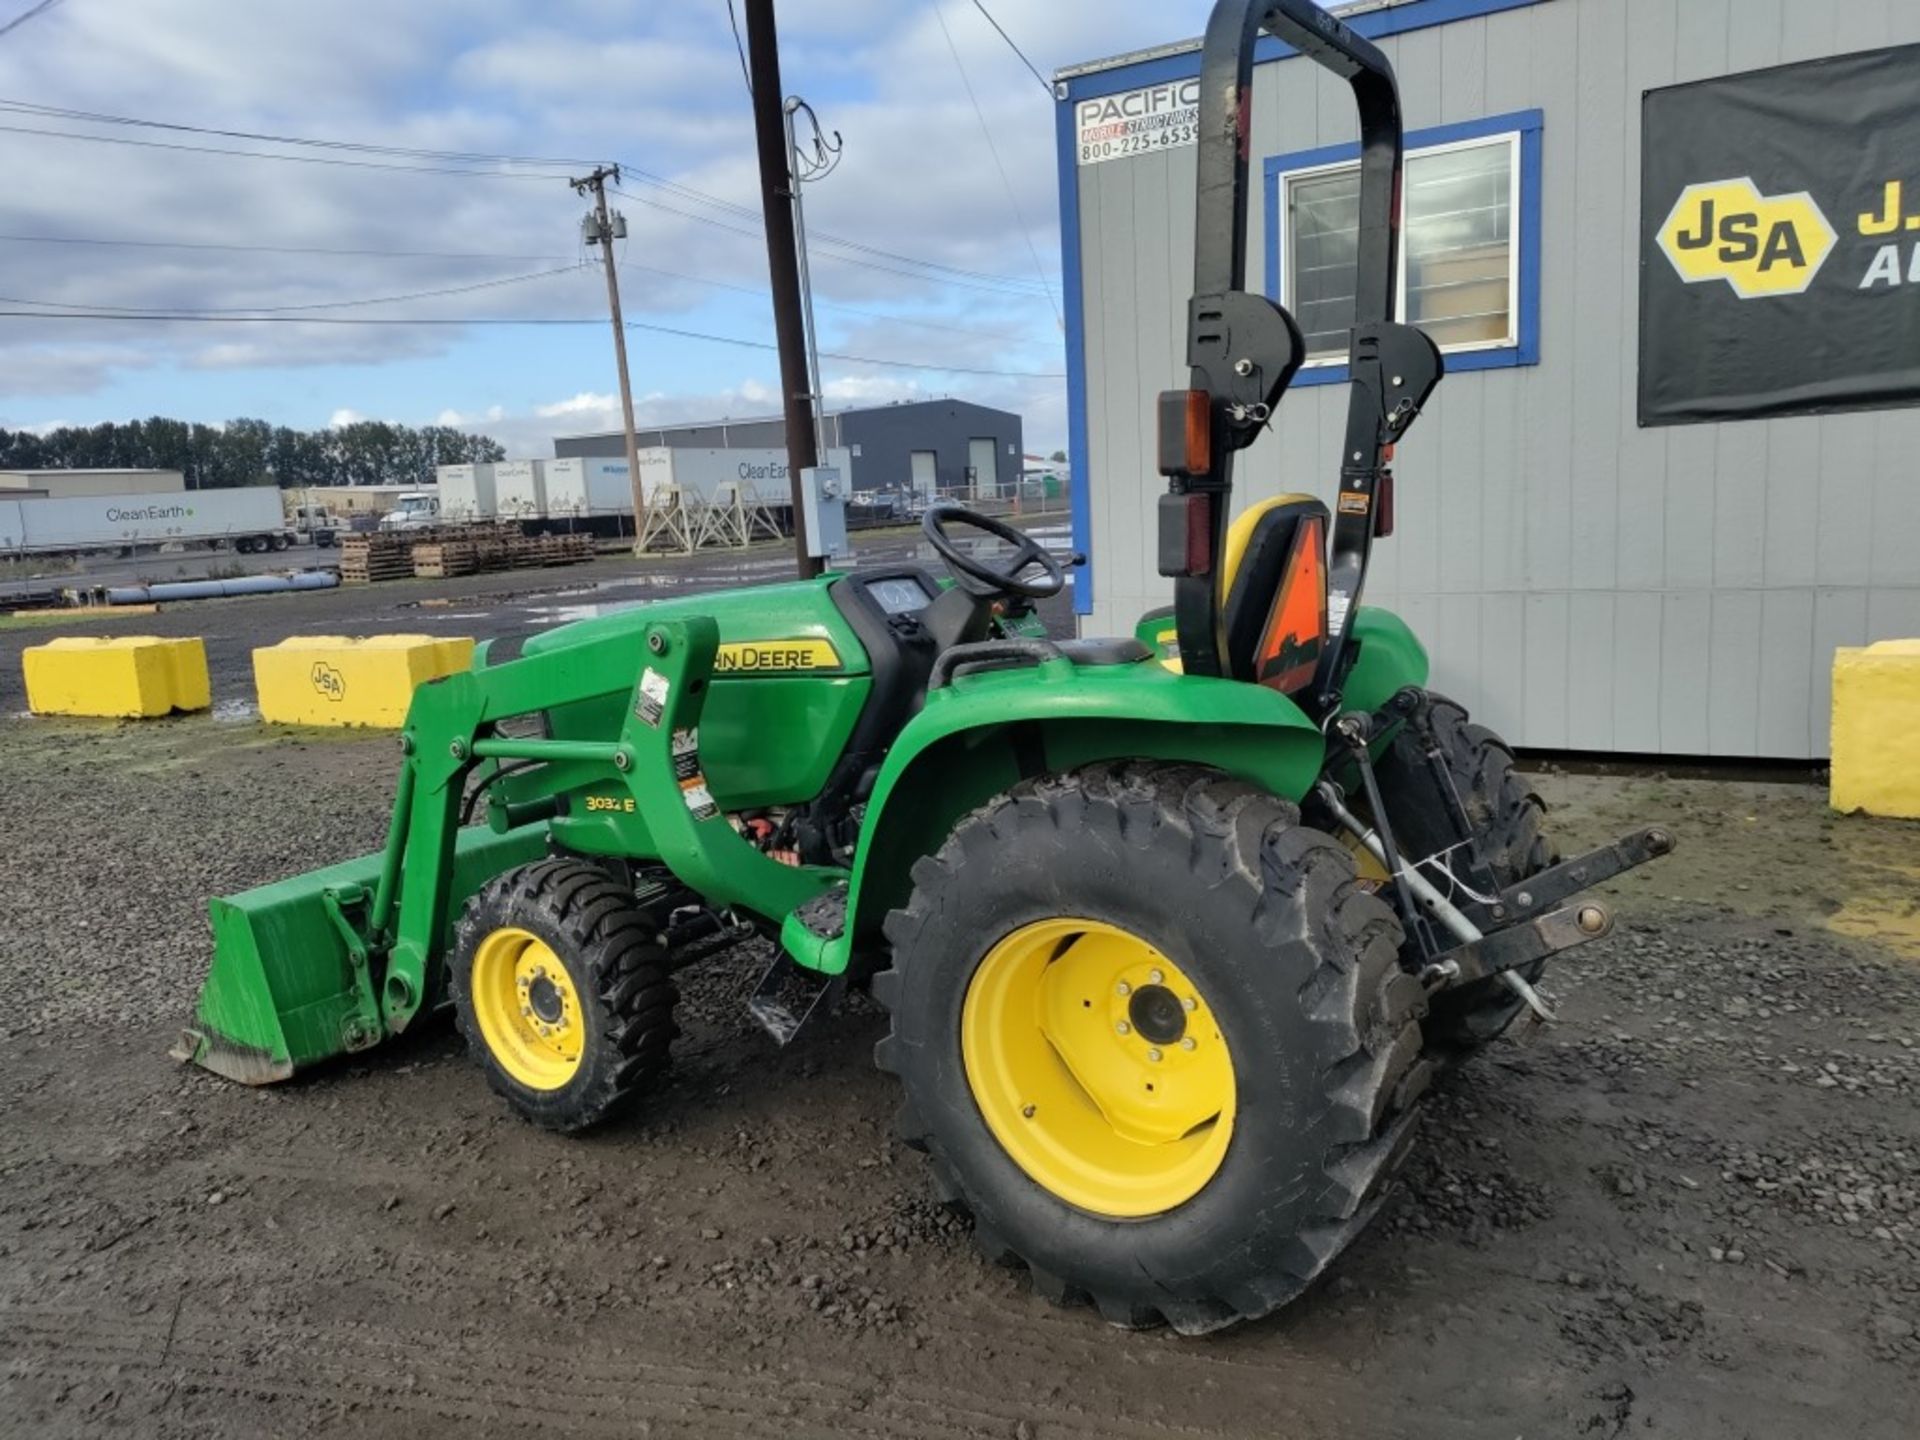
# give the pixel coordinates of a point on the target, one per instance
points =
(527, 1008)
(1098, 1066)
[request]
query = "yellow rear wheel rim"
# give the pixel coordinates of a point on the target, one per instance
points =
(527, 1008)
(1098, 1066)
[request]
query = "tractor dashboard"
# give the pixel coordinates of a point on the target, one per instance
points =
(897, 594)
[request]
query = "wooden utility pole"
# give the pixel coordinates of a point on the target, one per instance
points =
(783, 266)
(602, 234)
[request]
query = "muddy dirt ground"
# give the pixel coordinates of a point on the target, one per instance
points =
(1692, 1209)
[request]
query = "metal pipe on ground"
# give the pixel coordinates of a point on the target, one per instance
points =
(221, 589)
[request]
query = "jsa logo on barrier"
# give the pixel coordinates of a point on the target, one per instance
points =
(1761, 245)
(328, 681)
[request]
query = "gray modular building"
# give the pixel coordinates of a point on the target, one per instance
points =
(949, 447)
(1664, 246)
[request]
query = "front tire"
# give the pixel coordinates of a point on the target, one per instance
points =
(561, 989)
(1201, 1205)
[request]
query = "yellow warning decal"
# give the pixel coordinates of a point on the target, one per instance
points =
(768, 656)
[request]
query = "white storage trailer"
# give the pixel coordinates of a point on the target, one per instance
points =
(701, 472)
(467, 492)
(519, 490)
(586, 493)
(249, 518)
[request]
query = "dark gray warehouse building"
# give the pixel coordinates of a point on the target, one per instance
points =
(950, 447)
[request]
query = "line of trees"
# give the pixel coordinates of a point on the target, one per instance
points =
(253, 452)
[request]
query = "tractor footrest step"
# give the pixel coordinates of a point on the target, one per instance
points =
(826, 914)
(789, 996)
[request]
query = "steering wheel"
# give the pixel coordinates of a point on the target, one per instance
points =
(977, 575)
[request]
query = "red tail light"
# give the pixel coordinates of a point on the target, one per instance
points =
(1199, 534)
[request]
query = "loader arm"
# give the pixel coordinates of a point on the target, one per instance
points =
(655, 761)
(337, 960)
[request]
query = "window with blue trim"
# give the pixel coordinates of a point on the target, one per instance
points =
(1469, 261)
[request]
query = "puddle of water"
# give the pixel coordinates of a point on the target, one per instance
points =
(1885, 907)
(568, 614)
(1881, 897)
(235, 712)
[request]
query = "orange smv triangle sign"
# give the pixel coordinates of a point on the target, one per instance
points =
(1297, 625)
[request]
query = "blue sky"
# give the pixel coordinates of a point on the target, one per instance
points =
(656, 85)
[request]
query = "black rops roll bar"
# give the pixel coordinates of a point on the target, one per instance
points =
(1244, 348)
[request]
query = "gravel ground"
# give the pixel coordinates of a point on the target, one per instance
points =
(1689, 1210)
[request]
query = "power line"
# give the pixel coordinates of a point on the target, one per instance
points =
(456, 162)
(209, 312)
(272, 249)
(919, 322)
(1024, 291)
(761, 292)
(1015, 48)
(939, 13)
(739, 48)
(516, 320)
(746, 213)
(56, 112)
(25, 15)
(290, 159)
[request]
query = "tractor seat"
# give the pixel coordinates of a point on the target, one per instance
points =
(1274, 587)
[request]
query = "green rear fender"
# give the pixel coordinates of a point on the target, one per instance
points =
(1387, 655)
(981, 734)
(1389, 658)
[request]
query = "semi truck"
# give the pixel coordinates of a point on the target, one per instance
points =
(412, 510)
(250, 519)
(315, 525)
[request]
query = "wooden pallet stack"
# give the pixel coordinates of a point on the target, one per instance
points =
(548, 550)
(454, 550)
(444, 559)
(367, 558)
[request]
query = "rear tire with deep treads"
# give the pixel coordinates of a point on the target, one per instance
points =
(1300, 967)
(1508, 820)
(616, 978)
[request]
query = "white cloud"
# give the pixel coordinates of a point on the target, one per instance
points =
(585, 403)
(871, 390)
(344, 417)
(493, 414)
(549, 65)
(655, 85)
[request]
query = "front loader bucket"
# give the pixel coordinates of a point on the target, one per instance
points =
(285, 990)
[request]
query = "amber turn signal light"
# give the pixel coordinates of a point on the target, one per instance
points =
(1186, 432)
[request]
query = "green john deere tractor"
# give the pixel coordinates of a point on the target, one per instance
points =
(1172, 928)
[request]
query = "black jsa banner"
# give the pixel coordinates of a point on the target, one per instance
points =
(1780, 241)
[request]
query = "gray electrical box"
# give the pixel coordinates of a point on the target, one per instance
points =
(823, 501)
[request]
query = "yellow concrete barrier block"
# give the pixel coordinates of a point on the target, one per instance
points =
(125, 675)
(337, 680)
(1876, 729)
